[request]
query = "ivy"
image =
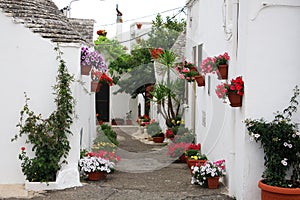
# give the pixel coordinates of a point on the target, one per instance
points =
(49, 137)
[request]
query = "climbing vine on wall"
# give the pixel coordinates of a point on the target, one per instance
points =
(49, 137)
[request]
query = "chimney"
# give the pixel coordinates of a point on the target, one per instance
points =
(119, 24)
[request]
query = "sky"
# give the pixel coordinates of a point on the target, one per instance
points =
(104, 11)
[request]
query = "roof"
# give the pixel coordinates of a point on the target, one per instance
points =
(85, 27)
(179, 46)
(43, 17)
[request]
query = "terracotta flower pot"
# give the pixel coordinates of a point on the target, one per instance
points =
(200, 80)
(272, 192)
(235, 99)
(85, 70)
(192, 162)
(213, 182)
(158, 139)
(223, 71)
(96, 176)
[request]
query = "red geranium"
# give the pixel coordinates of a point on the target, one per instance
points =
(22, 148)
(155, 53)
(101, 32)
(169, 133)
(236, 86)
(195, 146)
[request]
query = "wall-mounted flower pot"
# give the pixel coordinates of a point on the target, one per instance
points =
(95, 86)
(235, 99)
(269, 192)
(85, 70)
(200, 80)
(223, 71)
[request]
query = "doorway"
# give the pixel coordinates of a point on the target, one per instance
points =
(102, 103)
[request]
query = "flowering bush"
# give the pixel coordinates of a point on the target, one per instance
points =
(280, 140)
(156, 53)
(186, 70)
(236, 86)
(101, 77)
(208, 65)
(92, 162)
(209, 169)
(222, 59)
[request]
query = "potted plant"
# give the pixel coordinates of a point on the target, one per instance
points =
(155, 131)
(186, 70)
(143, 120)
(208, 65)
(222, 64)
(95, 166)
(158, 137)
(177, 150)
(280, 140)
(208, 175)
(85, 61)
(233, 91)
(99, 78)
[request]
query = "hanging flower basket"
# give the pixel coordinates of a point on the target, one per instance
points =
(85, 69)
(223, 71)
(235, 99)
(95, 86)
(200, 80)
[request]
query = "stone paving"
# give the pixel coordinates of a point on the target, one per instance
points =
(145, 172)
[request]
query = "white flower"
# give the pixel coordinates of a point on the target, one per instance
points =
(256, 136)
(283, 162)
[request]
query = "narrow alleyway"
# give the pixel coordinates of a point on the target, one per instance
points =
(145, 172)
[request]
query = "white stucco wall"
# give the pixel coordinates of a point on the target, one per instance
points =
(265, 54)
(29, 65)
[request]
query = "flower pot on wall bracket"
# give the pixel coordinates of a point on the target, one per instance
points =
(200, 80)
(223, 71)
(235, 99)
(272, 192)
(95, 86)
(139, 25)
(85, 69)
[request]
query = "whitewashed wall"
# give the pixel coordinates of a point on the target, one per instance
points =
(122, 103)
(265, 54)
(29, 65)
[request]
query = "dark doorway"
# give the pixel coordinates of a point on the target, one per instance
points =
(102, 103)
